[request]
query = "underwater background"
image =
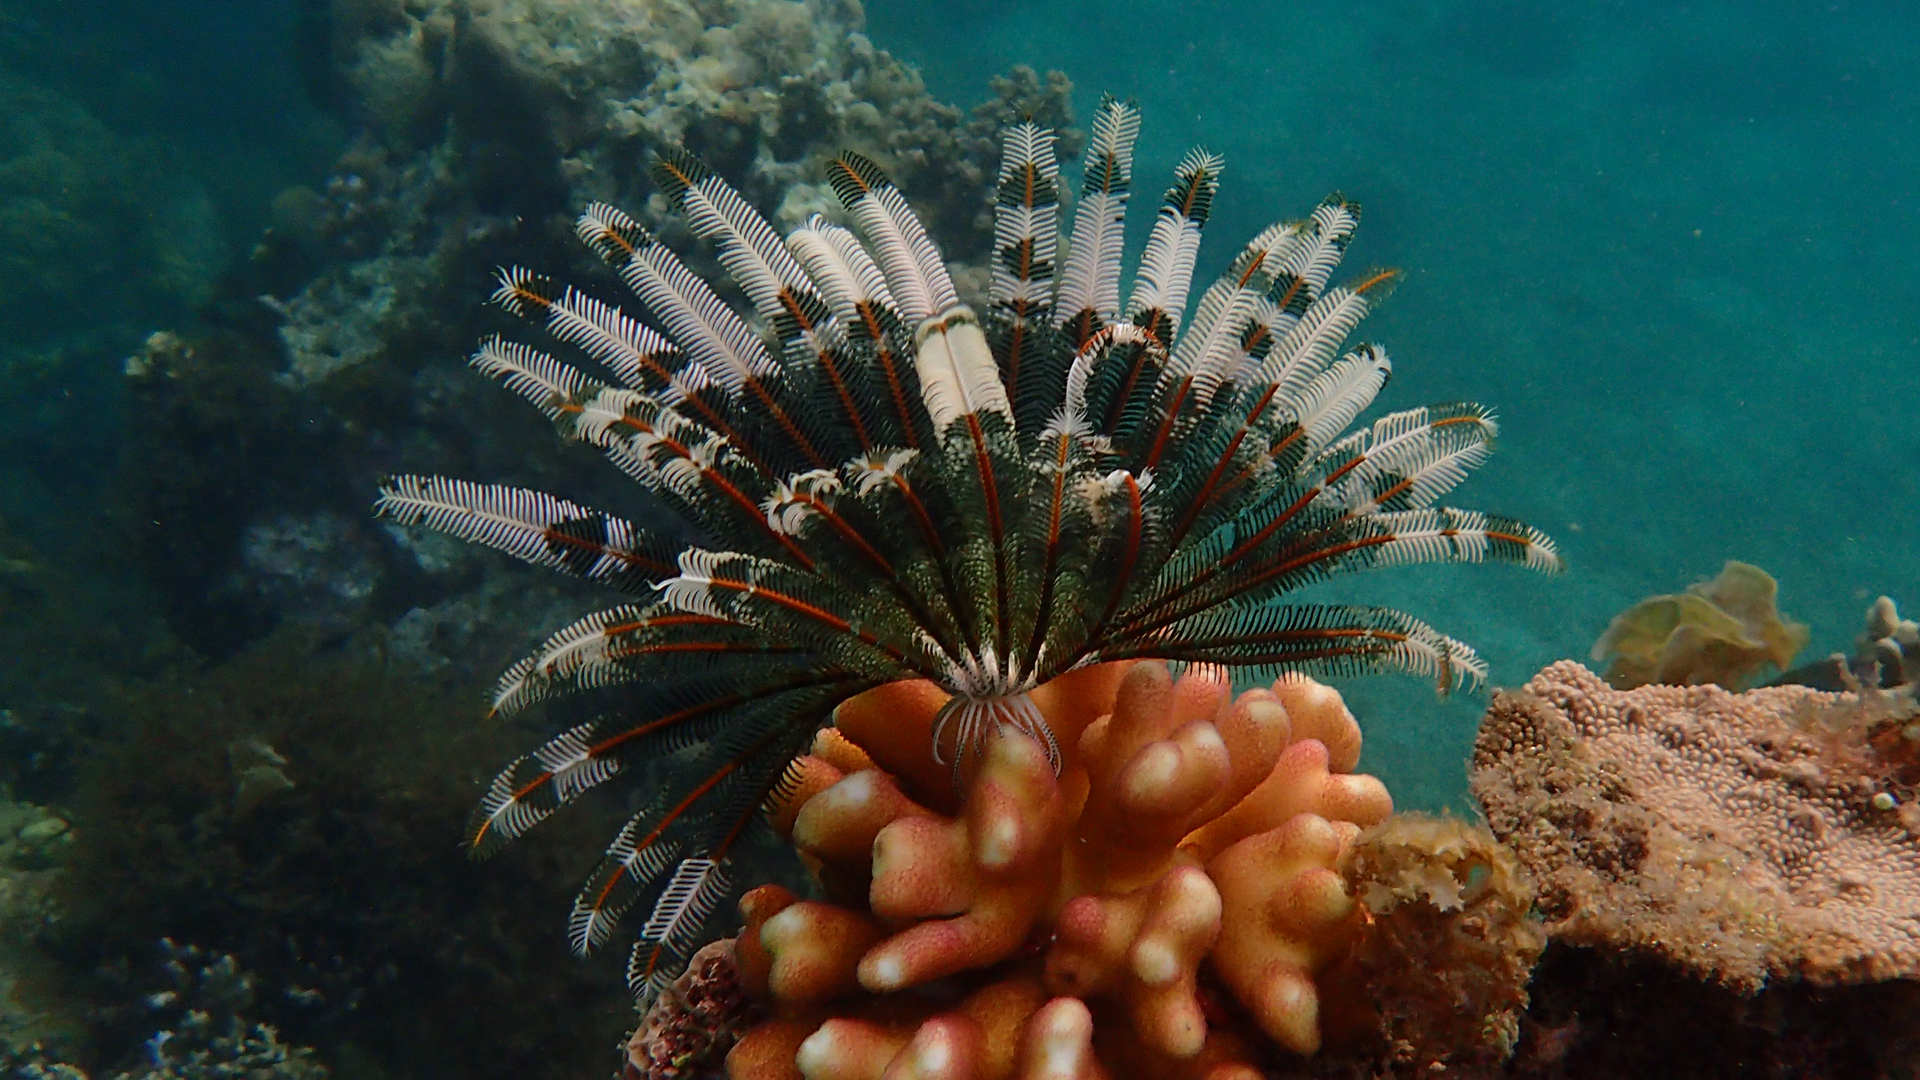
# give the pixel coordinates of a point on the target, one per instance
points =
(1672, 245)
(1665, 241)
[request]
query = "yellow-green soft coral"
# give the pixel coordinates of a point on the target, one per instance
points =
(1724, 631)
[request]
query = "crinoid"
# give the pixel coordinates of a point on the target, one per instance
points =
(893, 486)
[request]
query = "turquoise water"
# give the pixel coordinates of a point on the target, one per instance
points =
(1672, 245)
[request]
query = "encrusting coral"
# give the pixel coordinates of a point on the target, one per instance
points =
(1188, 853)
(1734, 836)
(1725, 631)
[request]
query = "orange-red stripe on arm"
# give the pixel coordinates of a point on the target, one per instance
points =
(848, 533)
(707, 413)
(1240, 551)
(614, 742)
(1118, 406)
(1273, 453)
(996, 527)
(888, 364)
(846, 396)
(1167, 420)
(1200, 650)
(631, 558)
(1261, 577)
(718, 853)
(699, 791)
(1201, 501)
(1018, 340)
(711, 417)
(1063, 448)
(786, 422)
(1193, 192)
(822, 616)
(932, 537)
(1127, 562)
(922, 518)
(679, 449)
(845, 531)
(678, 618)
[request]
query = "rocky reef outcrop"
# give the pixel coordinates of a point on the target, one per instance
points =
(1728, 880)
(1729, 834)
(336, 353)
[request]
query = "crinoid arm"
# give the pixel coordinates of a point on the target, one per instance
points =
(889, 485)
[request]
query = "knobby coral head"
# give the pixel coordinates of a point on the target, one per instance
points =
(1188, 855)
(890, 484)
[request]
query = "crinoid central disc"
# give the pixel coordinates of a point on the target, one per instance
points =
(965, 725)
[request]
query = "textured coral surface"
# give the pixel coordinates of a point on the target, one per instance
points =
(1175, 891)
(1715, 830)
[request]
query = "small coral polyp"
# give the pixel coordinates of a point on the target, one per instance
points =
(1163, 907)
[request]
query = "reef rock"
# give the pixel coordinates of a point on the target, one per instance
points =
(1739, 837)
(483, 118)
(481, 130)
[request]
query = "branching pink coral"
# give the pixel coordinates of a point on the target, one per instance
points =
(1288, 919)
(1144, 949)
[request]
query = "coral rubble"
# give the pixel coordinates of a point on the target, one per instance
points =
(695, 1020)
(1187, 857)
(1732, 835)
(1450, 946)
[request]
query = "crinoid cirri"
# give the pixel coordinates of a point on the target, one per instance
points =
(891, 485)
